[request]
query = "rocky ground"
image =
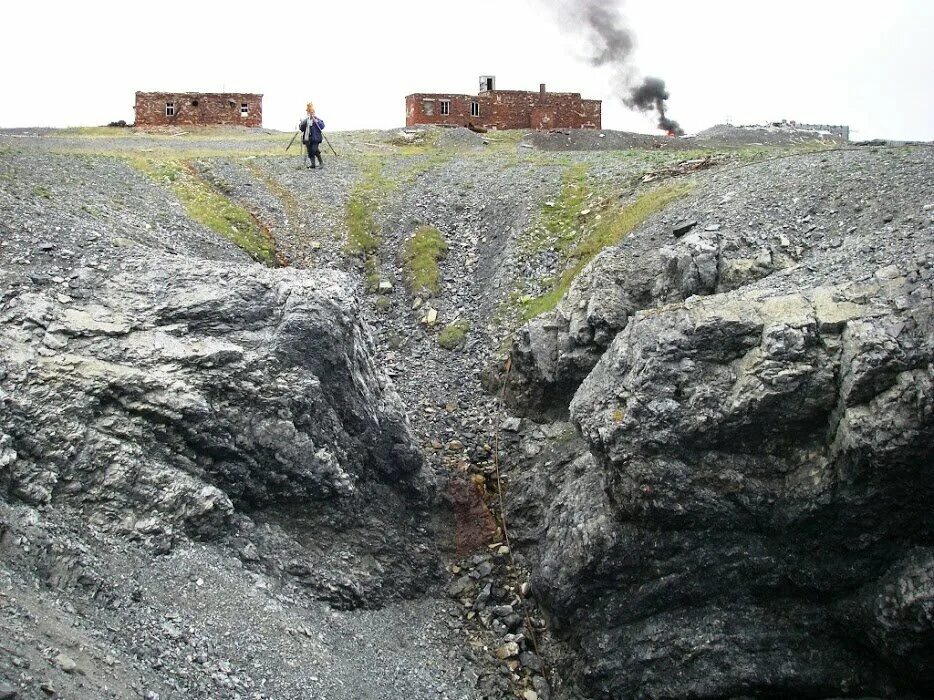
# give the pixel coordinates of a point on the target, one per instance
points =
(340, 551)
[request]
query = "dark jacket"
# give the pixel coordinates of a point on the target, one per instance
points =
(311, 130)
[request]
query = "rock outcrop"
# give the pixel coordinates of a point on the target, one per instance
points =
(161, 393)
(175, 396)
(753, 517)
(208, 487)
(768, 464)
(817, 219)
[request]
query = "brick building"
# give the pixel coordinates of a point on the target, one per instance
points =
(505, 109)
(198, 108)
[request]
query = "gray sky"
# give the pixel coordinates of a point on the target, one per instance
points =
(867, 64)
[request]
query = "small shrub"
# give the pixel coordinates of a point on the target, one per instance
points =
(454, 335)
(383, 304)
(422, 253)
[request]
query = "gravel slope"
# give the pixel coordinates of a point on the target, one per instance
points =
(198, 623)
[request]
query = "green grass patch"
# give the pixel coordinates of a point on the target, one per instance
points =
(373, 187)
(92, 131)
(42, 191)
(506, 139)
(546, 302)
(561, 218)
(363, 233)
(454, 334)
(422, 253)
(362, 229)
(206, 205)
(612, 229)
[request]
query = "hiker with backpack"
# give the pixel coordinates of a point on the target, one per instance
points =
(311, 127)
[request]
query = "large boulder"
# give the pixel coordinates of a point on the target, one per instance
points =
(758, 515)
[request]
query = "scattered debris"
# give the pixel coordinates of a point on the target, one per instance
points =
(683, 168)
(682, 227)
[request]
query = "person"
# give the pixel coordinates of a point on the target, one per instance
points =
(311, 127)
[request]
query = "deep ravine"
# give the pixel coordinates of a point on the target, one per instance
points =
(710, 453)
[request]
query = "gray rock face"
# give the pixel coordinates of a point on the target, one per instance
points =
(178, 395)
(767, 463)
(189, 389)
(155, 384)
(754, 515)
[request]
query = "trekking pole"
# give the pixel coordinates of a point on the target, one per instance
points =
(304, 155)
(329, 144)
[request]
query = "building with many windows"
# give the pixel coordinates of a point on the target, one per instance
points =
(198, 108)
(504, 109)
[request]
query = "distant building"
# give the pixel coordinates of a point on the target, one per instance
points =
(840, 131)
(198, 108)
(505, 109)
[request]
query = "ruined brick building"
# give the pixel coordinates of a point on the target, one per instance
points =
(505, 109)
(198, 108)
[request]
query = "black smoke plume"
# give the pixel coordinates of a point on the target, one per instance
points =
(612, 43)
(652, 94)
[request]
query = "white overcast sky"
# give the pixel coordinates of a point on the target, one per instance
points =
(866, 64)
